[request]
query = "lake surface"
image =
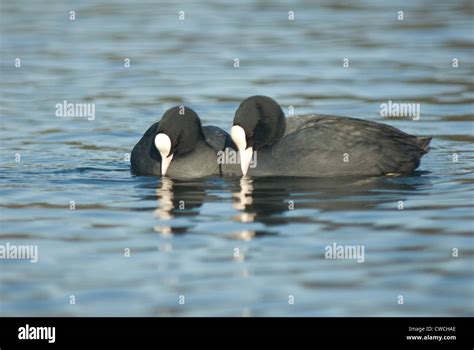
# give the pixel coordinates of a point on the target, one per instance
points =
(228, 246)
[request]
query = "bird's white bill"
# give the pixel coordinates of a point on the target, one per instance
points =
(245, 159)
(237, 134)
(165, 163)
(163, 145)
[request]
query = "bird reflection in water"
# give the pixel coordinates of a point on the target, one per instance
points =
(243, 199)
(176, 198)
(265, 204)
(165, 199)
(165, 196)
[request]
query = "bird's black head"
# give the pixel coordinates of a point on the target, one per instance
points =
(178, 133)
(183, 127)
(259, 121)
(262, 120)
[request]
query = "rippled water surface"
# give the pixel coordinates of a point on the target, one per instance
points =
(232, 247)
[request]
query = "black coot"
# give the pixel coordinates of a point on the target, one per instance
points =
(320, 145)
(179, 147)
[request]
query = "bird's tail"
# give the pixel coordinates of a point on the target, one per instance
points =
(424, 143)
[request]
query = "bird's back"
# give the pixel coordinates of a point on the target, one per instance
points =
(323, 145)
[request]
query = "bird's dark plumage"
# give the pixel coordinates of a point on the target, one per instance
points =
(323, 145)
(194, 147)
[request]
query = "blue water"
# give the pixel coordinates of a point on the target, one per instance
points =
(182, 235)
